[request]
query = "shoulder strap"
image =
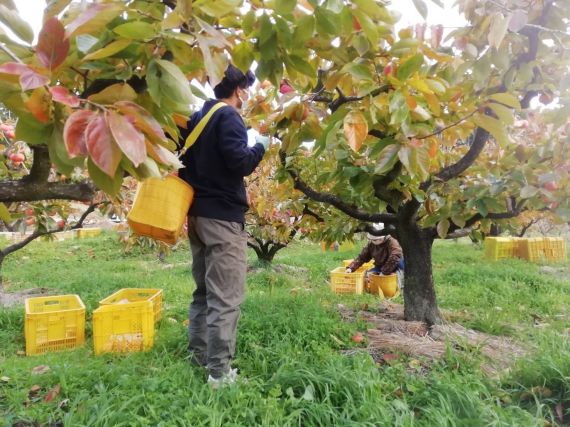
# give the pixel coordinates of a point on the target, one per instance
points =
(200, 126)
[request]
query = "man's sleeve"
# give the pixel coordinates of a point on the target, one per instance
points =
(232, 137)
(395, 256)
(364, 256)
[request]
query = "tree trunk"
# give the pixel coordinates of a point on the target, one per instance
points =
(495, 230)
(420, 302)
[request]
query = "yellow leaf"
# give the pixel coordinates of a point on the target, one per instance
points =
(39, 104)
(114, 93)
(433, 103)
(110, 49)
(355, 129)
(419, 84)
(411, 102)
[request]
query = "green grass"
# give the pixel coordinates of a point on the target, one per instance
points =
(288, 347)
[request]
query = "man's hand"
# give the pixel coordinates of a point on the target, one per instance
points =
(263, 140)
(348, 270)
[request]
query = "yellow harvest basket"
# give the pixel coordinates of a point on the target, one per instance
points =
(160, 208)
(383, 285)
(129, 295)
(123, 328)
(54, 323)
(83, 233)
(347, 283)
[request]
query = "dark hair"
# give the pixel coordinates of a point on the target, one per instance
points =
(233, 78)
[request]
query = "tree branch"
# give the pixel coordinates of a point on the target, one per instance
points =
(334, 104)
(35, 186)
(38, 233)
(332, 199)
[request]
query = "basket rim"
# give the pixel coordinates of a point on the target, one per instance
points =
(28, 301)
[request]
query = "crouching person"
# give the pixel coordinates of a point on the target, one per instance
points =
(386, 253)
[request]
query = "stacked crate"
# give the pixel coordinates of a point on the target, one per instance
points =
(534, 249)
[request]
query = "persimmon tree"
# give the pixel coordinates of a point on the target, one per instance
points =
(408, 130)
(278, 213)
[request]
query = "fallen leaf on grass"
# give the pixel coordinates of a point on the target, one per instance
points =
(537, 390)
(34, 389)
(336, 339)
(41, 369)
(186, 322)
(5, 379)
(53, 393)
(390, 357)
(20, 353)
(63, 403)
(172, 320)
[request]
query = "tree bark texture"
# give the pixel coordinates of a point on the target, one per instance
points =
(420, 303)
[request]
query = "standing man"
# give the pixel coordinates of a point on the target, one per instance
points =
(215, 167)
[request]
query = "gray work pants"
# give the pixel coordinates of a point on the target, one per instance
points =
(219, 260)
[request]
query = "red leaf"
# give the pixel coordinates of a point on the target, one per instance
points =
(52, 46)
(13, 68)
(52, 394)
(61, 94)
(74, 132)
(143, 119)
(102, 149)
(29, 78)
(388, 357)
(129, 139)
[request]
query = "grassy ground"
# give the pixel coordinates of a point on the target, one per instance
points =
(288, 347)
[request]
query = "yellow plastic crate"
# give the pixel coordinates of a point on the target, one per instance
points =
(160, 208)
(555, 249)
(83, 233)
(501, 247)
(366, 266)
(54, 323)
(123, 328)
(347, 283)
(128, 295)
(386, 286)
(532, 249)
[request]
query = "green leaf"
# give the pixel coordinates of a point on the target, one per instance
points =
(109, 185)
(14, 22)
(242, 55)
(459, 221)
(31, 131)
(167, 82)
(327, 21)
(5, 214)
(528, 191)
(498, 29)
(493, 126)
(410, 66)
(136, 30)
(421, 8)
(85, 42)
(58, 153)
(504, 114)
(507, 99)
(374, 10)
(284, 7)
(358, 71)
(443, 228)
(303, 30)
(302, 66)
(387, 159)
(218, 8)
